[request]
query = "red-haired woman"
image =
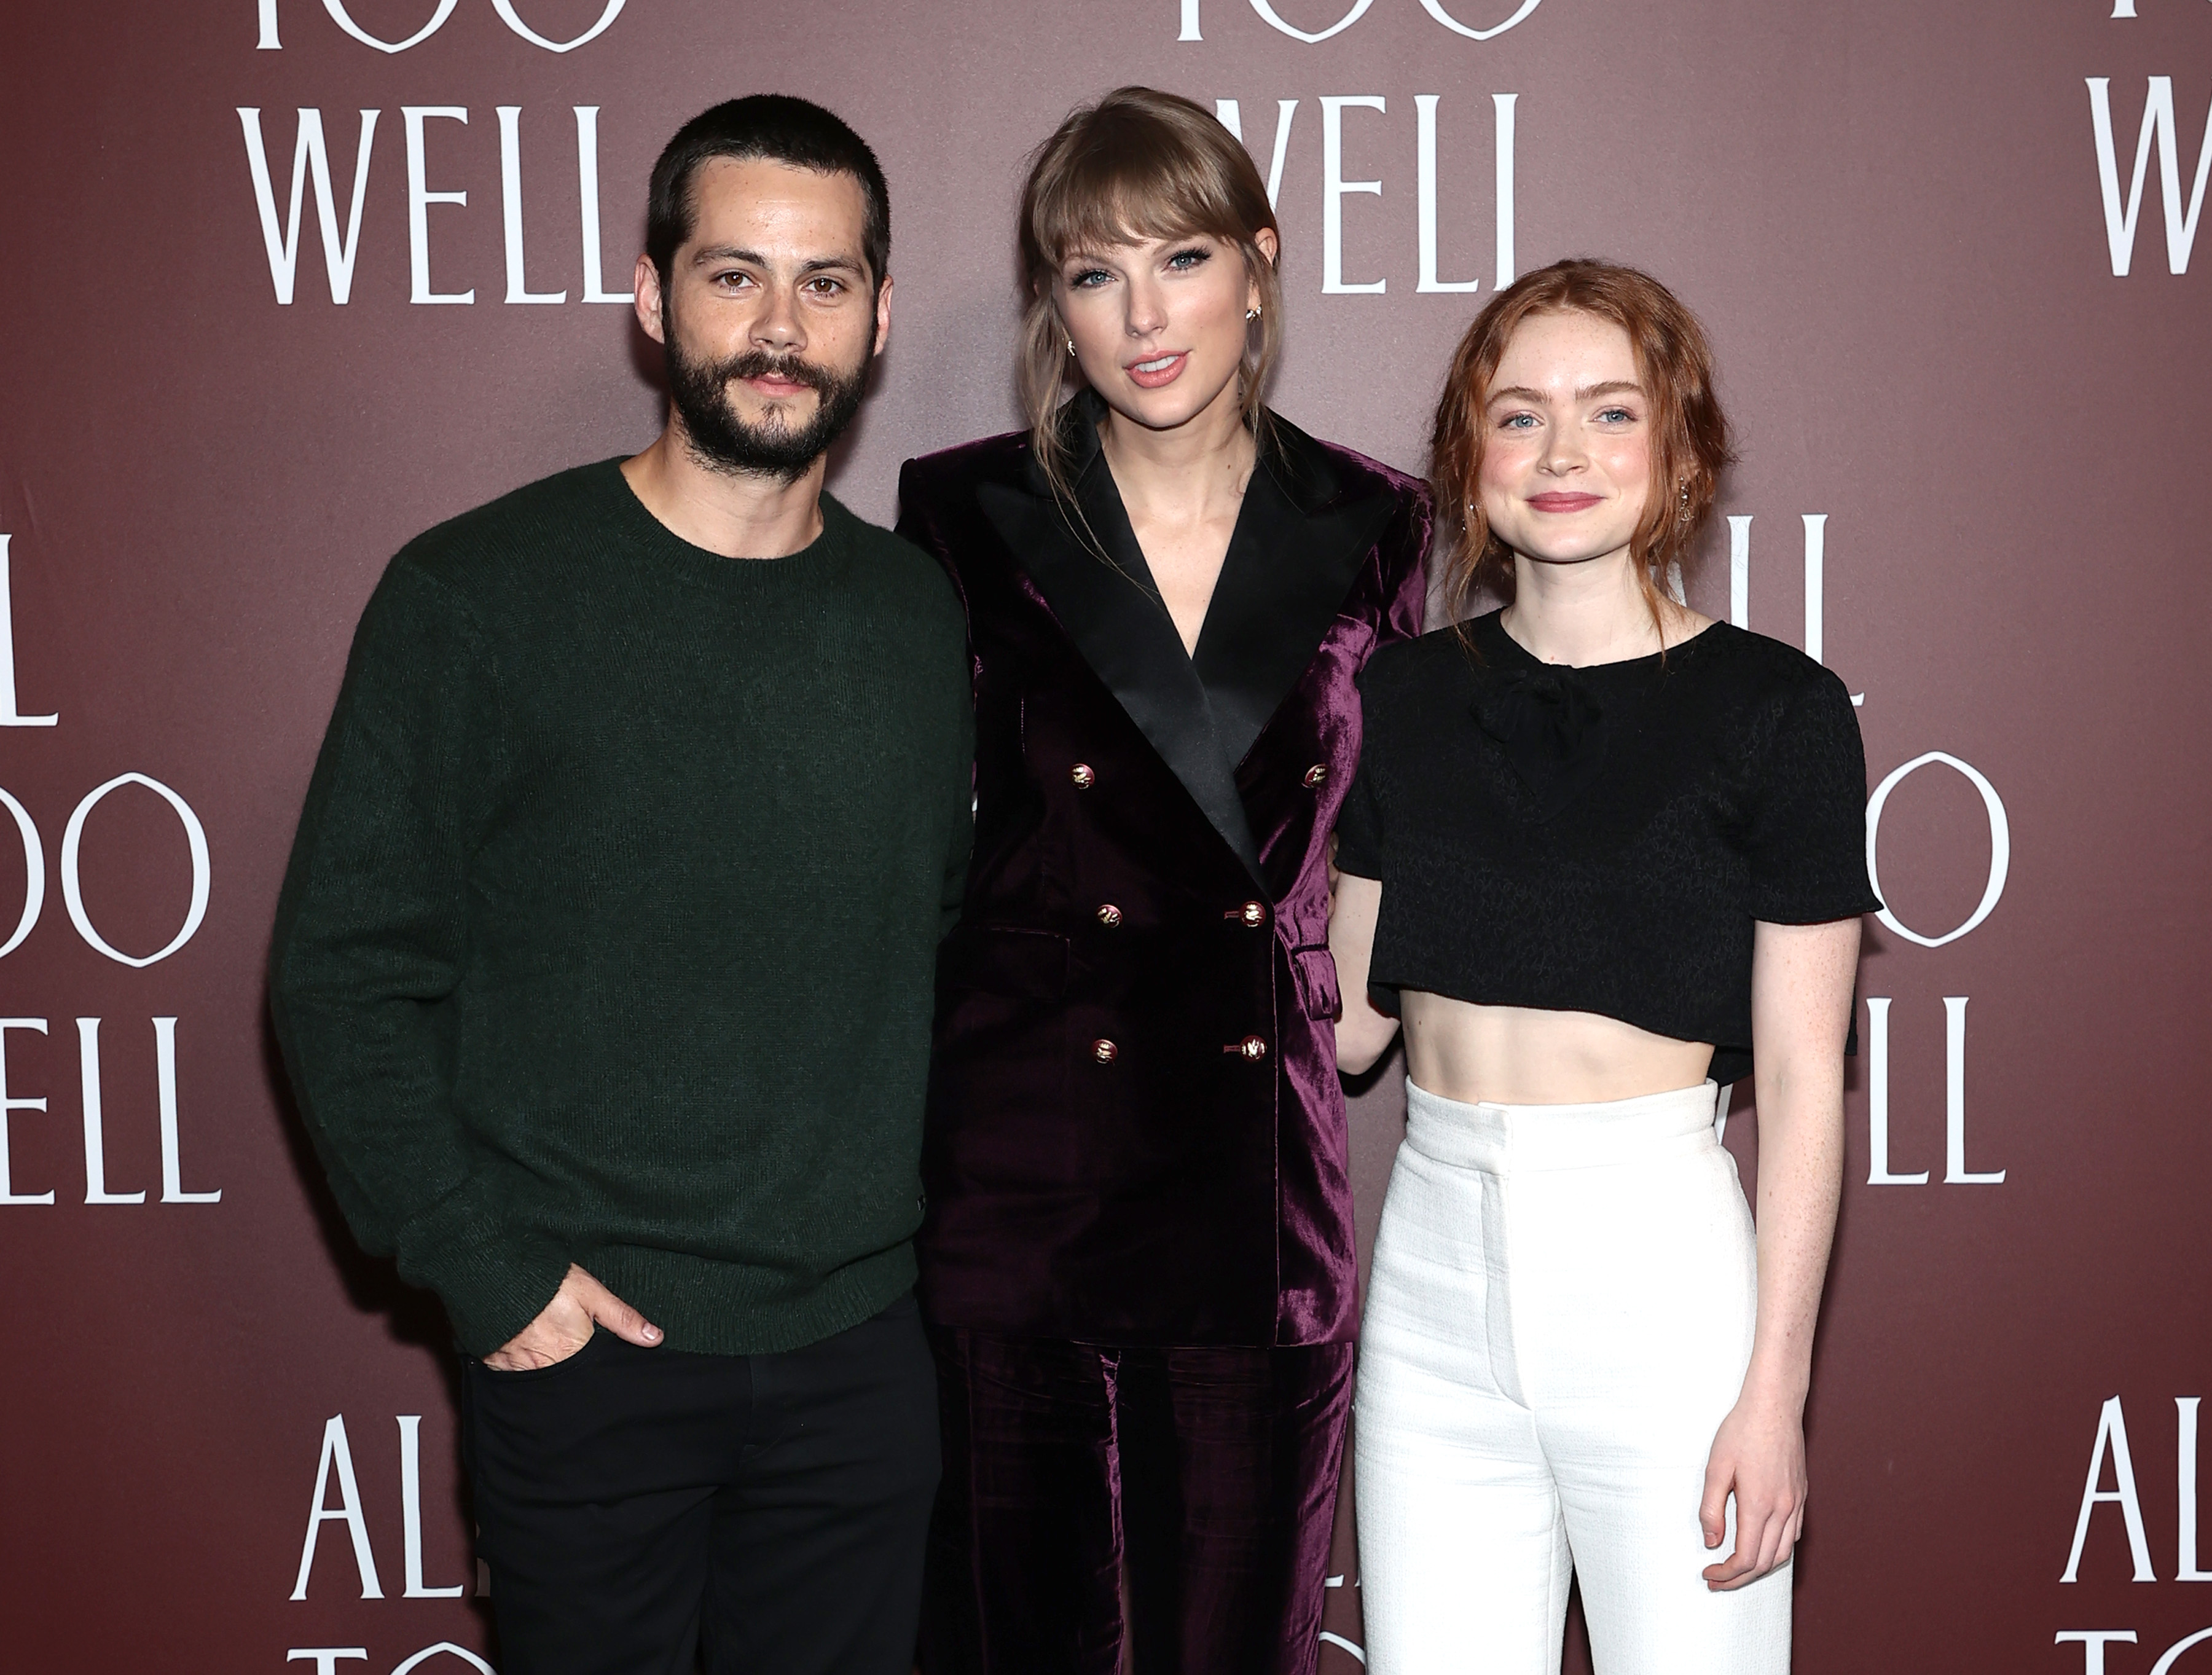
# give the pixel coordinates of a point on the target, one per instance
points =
(1137, 1260)
(1603, 854)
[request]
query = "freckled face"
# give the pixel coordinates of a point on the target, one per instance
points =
(1567, 450)
(1158, 325)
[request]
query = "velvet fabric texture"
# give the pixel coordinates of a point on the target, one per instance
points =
(1135, 1132)
(1204, 1480)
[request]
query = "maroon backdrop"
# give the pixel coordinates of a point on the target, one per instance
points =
(1946, 253)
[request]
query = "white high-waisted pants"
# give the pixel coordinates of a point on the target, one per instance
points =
(1559, 1317)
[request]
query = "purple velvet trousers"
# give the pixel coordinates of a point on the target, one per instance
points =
(1193, 1489)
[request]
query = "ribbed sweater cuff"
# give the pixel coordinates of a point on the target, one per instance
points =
(494, 1279)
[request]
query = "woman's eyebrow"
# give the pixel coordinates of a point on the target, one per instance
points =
(1587, 392)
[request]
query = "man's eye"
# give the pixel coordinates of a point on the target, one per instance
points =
(824, 286)
(732, 281)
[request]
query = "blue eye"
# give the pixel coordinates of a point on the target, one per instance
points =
(1184, 260)
(1516, 421)
(1089, 279)
(1617, 415)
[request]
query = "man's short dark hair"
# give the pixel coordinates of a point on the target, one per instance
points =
(779, 128)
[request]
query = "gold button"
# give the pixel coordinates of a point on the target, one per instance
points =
(1109, 915)
(1255, 914)
(1083, 778)
(1252, 1047)
(1103, 1051)
(1317, 773)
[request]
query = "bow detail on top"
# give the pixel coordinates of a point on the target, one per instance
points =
(1552, 729)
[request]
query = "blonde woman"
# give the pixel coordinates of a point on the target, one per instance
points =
(1136, 1261)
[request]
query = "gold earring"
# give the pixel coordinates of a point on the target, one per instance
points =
(1682, 514)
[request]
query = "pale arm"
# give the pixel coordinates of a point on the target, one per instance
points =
(1363, 1034)
(1801, 1001)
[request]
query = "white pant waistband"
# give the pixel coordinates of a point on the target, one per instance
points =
(1499, 1138)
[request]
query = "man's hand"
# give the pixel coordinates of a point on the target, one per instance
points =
(1759, 1453)
(564, 1326)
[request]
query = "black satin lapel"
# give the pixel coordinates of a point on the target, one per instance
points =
(1113, 613)
(1282, 584)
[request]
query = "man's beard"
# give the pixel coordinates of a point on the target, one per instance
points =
(722, 441)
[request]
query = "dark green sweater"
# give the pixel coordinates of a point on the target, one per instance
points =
(610, 929)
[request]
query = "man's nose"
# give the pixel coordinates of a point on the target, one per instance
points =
(777, 326)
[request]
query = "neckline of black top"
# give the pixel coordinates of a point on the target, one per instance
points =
(1557, 723)
(1491, 628)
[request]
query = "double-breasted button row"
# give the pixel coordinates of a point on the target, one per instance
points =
(1084, 776)
(1252, 1047)
(1253, 914)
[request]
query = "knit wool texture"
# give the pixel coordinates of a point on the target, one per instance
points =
(610, 928)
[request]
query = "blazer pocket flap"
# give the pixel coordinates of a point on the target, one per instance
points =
(1316, 971)
(1006, 960)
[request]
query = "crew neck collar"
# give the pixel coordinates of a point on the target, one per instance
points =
(665, 543)
(1493, 627)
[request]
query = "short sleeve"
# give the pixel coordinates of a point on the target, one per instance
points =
(1359, 829)
(1359, 822)
(1806, 843)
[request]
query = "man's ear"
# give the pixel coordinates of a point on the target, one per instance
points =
(645, 282)
(883, 315)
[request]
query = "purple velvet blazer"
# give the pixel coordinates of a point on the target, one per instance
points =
(1136, 1133)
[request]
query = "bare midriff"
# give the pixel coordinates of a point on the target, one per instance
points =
(1519, 1055)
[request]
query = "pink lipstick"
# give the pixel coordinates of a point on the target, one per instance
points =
(1159, 370)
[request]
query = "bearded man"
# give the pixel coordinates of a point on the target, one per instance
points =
(603, 966)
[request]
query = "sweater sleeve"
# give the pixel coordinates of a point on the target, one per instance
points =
(370, 947)
(916, 525)
(963, 845)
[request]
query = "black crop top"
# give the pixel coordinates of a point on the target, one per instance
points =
(1601, 839)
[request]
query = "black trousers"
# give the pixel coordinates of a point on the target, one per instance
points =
(1197, 1485)
(638, 1505)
